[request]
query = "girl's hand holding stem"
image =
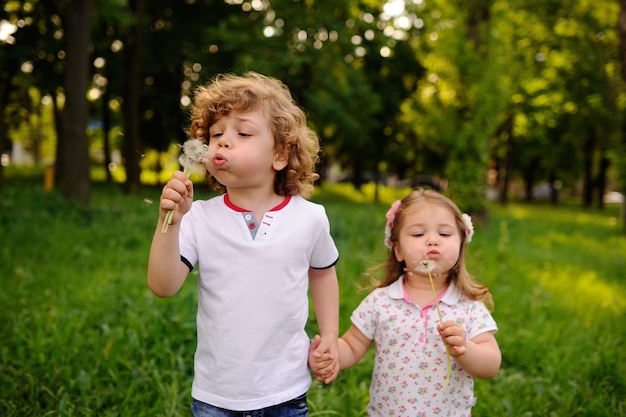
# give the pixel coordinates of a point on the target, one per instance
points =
(453, 335)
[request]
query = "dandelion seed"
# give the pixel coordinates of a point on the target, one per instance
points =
(192, 158)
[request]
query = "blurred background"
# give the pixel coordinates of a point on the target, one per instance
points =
(514, 108)
(508, 99)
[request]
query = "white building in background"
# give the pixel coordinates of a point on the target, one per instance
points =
(19, 156)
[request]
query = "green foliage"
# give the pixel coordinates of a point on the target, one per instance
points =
(82, 335)
(404, 89)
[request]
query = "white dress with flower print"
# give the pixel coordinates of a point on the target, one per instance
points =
(411, 363)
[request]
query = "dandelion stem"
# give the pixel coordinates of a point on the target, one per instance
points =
(432, 285)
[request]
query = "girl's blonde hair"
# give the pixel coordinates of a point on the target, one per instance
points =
(255, 92)
(458, 274)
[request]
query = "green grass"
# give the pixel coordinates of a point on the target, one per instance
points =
(82, 335)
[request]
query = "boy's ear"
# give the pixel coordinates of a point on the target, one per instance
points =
(281, 157)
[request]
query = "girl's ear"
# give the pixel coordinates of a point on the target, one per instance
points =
(281, 157)
(396, 250)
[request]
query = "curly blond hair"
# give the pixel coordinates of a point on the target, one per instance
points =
(252, 91)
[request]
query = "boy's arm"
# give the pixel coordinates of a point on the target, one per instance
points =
(325, 294)
(166, 272)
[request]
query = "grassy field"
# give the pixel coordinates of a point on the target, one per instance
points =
(82, 335)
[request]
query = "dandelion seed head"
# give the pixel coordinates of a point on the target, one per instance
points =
(425, 266)
(193, 155)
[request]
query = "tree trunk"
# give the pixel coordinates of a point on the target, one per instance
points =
(4, 94)
(59, 156)
(588, 185)
(621, 29)
(106, 129)
(77, 17)
(554, 190)
(357, 170)
(131, 148)
(602, 178)
(9, 70)
(508, 161)
(529, 180)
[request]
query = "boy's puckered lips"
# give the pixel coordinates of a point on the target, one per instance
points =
(219, 160)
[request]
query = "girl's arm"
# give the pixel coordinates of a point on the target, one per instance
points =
(479, 356)
(482, 356)
(353, 345)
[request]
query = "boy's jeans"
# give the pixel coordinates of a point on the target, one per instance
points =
(295, 408)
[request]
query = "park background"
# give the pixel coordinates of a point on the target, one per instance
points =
(513, 108)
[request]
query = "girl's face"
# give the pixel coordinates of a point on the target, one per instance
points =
(242, 152)
(428, 232)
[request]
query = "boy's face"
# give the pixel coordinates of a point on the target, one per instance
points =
(242, 151)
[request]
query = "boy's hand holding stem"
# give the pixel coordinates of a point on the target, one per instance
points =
(191, 159)
(176, 198)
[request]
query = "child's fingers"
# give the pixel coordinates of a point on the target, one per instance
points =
(315, 342)
(332, 375)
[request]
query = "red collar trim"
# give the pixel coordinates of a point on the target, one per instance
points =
(242, 210)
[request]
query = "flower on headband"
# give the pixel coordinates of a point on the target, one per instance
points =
(391, 217)
(469, 227)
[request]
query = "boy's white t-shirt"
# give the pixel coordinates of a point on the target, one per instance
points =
(253, 298)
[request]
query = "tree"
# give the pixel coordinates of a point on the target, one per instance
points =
(620, 148)
(77, 18)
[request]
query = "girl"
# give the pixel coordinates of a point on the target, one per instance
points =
(427, 237)
(257, 247)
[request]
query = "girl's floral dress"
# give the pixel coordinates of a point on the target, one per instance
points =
(411, 364)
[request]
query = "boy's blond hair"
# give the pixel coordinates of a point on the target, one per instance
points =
(255, 92)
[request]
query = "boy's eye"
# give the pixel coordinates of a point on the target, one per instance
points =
(245, 135)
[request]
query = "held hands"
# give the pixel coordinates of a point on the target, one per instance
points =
(454, 336)
(177, 196)
(323, 363)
